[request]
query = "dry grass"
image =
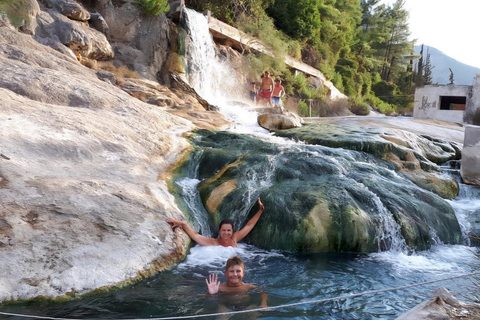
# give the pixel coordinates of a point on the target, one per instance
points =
(143, 96)
(121, 72)
(89, 63)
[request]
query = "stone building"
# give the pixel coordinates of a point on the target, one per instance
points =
(454, 103)
(459, 104)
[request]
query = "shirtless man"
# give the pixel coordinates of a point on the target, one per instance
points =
(266, 88)
(278, 93)
(227, 237)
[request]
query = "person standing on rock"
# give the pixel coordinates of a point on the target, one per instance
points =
(253, 91)
(278, 93)
(226, 237)
(266, 88)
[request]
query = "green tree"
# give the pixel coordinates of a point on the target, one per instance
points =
(427, 71)
(230, 11)
(419, 74)
(387, 36)
(450, 78)
(300, 19)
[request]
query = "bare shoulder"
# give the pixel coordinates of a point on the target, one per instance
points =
(249, 286)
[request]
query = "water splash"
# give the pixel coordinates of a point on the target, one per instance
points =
(389, 236)
(214, 257)
(440, 258)
(190, 195)
(466, 203)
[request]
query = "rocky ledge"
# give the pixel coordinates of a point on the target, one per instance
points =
(84, 169)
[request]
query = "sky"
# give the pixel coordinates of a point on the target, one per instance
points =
(451, 26)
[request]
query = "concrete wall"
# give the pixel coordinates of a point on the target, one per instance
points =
(470, 167)
(472, 112)
(427, 102)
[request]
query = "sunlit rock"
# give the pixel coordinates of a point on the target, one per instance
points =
(84, 42)
(279, 119)
(83, 177)
(442, 305)
(71, 9)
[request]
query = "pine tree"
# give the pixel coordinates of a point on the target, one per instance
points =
(427, 72)
(451, 76)
(419, 75)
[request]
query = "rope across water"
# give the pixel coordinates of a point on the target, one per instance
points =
(342, 297)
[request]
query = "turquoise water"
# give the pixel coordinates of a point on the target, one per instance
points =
(287, 279)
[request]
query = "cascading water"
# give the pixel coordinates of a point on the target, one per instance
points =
(213, 78)
(467, 203)
(201, 61)
(389, 235)
(209, 77)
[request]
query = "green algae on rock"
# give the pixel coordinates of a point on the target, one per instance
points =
(317, 198)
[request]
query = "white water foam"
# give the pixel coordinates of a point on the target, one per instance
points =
(463, 208)
(215, 257)
(440, 258)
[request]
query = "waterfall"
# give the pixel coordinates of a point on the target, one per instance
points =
(390, 237)
(213, 78)
(188, 187)
(466, 204)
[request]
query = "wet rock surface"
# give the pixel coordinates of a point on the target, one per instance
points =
(320, 199)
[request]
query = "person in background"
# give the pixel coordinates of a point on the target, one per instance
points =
(266, 88)
(226, 237)
(253, 91)
(278, 93)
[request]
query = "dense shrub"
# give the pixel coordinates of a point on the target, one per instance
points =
(305, 110)
(379, 104)
(385, 91)
(153, 7)
(358, 107)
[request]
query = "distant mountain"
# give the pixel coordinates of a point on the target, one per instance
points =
(463, 74)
